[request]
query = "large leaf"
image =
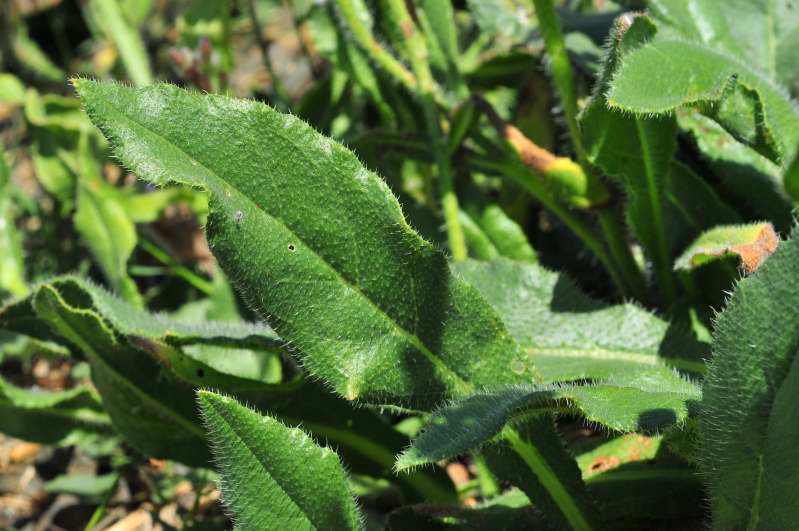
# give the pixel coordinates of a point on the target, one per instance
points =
(641, 400)
(275, 477)
(316, 243)
(567, 335)
(748, 416)
(762, 32)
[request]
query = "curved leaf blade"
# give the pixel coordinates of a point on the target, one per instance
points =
(667, 74)
(643, 400)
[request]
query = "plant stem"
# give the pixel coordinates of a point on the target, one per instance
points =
(612, 227)
(186, 274)
(356, 15)
(661, 258)
(555, 47)
(427, 89)
(282, 99)
(548, 478)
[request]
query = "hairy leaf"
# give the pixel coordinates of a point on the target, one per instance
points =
(747, 429)
(272, 474)
(667, 74)
(762, 33)
(752, 243)
(646, 399)
(568, 336)
(335, 269)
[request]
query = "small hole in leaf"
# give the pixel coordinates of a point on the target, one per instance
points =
(292, 248)
(200, 373)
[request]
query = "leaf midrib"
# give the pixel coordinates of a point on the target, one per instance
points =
(600, 353)
(463, 386)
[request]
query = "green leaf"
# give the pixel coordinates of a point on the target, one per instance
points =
(31, 57)
(449, 518)
(505, 234)
(619, 450)
(441, 17)
(567, 335)
(158, 333)
(108, 15)
(148, 405)
(336, 270)
(748, 450)
(666, 74)
(12, 260)
(104, 224)
(12, 91)
(85, 485)
(762, 33)
(52, 417)
(641, 400)
(275, 477)
(510, 19)
(752, 243)
(532, 457)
